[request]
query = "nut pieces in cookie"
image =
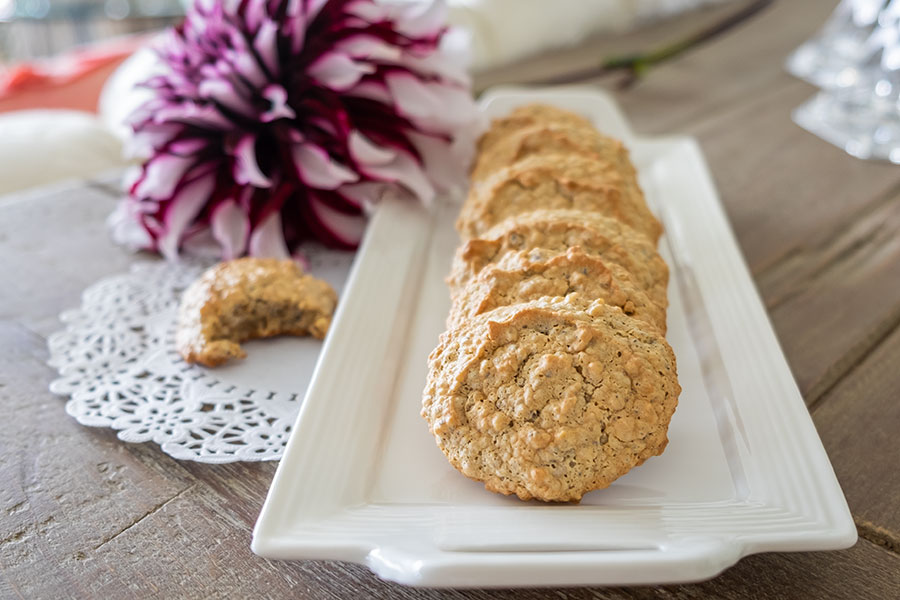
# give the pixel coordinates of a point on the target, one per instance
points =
(546, 402)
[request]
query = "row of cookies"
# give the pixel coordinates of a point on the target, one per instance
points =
(554, 377)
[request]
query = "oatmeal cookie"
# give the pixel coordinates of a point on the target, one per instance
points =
(249, 298)
(557, 181)
(553, 138)
(557, 231)
(527, 116)
(547, 402)
(533, 274)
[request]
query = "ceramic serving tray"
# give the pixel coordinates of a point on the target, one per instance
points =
(744, 472)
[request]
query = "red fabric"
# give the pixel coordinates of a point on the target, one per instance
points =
(72, 80)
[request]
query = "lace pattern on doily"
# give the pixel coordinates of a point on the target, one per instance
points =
(118, 365)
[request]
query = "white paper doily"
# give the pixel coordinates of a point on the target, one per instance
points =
(117, 363)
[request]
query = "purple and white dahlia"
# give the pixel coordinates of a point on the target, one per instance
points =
(277, 121)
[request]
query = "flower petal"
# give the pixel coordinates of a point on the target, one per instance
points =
(317, 170)
(412, 97)
(450, 64)
(442, 167)
(266, 45)
(338, 71)
(347, 229)
(365, 195)
(246, 169)
(313, 7)
(231, 227)
(457, 108)
(225, 94)
(186, 205)
(369, 47)
(368, 11)
(187, 146)
(248, 67)
(277, 95)
(420, 19)
(124, 225)
(268, 238)
(405, 171)
(373, 90)
(144, 143)
(294, 23)
(255, 14)
(161, 176)
(433, 106)
(192, 113)
(364, 151)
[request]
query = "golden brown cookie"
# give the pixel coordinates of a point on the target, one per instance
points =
(553, 138)
(534, 274)
(550, 403)
(249, 298)
(557, 181)
(557, 231)
(527, 116)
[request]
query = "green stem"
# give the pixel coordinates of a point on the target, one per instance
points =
(636, 65)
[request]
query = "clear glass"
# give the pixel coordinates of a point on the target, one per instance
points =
(832, 57)
(859, 107)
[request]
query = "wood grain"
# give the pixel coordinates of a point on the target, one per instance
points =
(725, 74)
(562, 63)
(825, 249)
(711, 79)
(858, 422)
(54, 244)
(67, 490)
(84, 515)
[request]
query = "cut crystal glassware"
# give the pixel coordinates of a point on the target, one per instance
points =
(858, 108)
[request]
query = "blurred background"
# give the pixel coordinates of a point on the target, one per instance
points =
(68, 67)
(32, 29)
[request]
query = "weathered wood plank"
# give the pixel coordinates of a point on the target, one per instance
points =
(241, 486)
(857, 421)
(864, 571)
(566, 62)
(704, 81)
(54, 244)
(729, 72)
(781, 185)
(84, 515)
(845, 306)
(824, 248)
(195, 545)
(64, 489)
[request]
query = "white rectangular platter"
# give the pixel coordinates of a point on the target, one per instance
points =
(744, 472)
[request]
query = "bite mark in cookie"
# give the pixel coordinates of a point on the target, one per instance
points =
(249, 298)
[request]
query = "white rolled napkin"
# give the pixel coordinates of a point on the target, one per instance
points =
(38, 147)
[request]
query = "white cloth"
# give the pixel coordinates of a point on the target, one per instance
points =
(42, 146)
(503, 31)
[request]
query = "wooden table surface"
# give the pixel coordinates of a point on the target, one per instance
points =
(85, 515)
